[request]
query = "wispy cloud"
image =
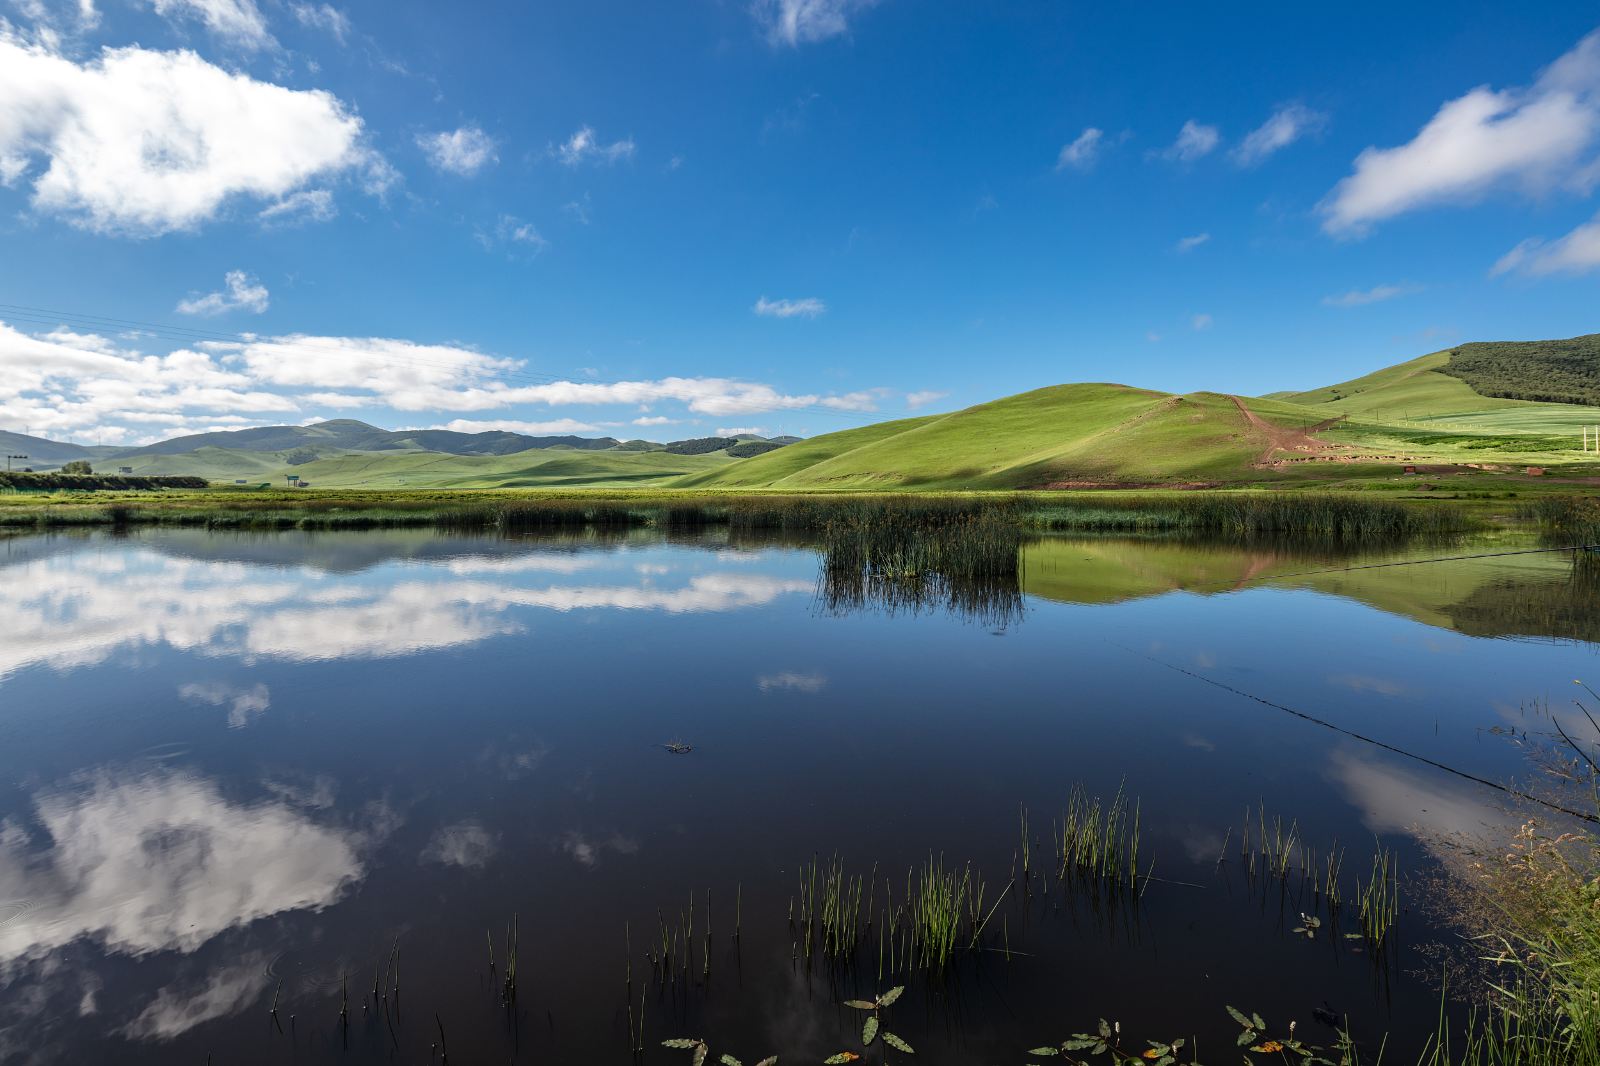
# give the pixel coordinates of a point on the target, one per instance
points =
(238, 22)
(915, 400)
(809, 307)
(583, 147)
(797, 22)
(1201, 322)
(1194, 141)
(1576, 253)
(555, 427)
(463, 151)
(323, 17)
(243, 293)
(791, 681)
(1083, 152)
(1376, 294)
(1535, 138)
(1189, 244)
(1286, 125)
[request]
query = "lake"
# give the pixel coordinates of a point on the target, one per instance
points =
(249, 776)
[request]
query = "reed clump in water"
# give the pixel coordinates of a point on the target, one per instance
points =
(1097, 842)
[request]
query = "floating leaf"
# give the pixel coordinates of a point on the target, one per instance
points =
(1255, 1020)
(1239, 1017)
(860, 1004)
(729, 1060)
(869, 1032)
(1105, 1029)
(1268, 1048)
(1247, 1036)
(680, 1042)
(841, 1058)
(888, 998)
(770, 1061)
(700, 1053)
(1045, 1051)
(1155, 1052)
(896, 1043)
(1080, 1042)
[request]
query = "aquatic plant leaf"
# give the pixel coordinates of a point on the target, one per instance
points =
(1246, 1037)
(1080, 1042)
(1270, 1047)
(896, 1043)
(840, 1059)
(1045, 1050)
(680, 1042)
(700, 1053)
(771, 1060)
(1239, 1017)
(1105, 1029)
(729, 1060)
(1255, 1020)
(888, 998)
(1155, 1051)
(860, 1004)
(869, 1032)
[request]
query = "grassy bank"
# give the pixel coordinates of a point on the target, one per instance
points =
(1336, 514)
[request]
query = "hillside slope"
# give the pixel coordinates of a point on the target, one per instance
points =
(1065, 435)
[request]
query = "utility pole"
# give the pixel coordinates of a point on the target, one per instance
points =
(11, 457)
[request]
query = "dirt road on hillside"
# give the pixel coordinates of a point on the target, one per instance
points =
(1282, 439)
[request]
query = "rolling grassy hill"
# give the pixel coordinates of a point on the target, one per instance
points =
(542, 468)
(1066, 435)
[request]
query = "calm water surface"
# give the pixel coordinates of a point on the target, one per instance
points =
(230, 761)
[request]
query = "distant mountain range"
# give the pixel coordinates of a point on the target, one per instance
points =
(295, 445)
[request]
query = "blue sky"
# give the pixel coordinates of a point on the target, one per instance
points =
(667, 220)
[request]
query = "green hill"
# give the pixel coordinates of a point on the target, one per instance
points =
(1063, 436)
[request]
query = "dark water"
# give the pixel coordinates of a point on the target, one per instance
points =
(231, 761)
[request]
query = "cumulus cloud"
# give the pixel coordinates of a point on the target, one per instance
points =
(463, 151)
(244, 293)
(740, 431)
(140, 142)
(1194, 141)
(583, 147)
(797, 22)
(1576, 253)
(1083, 152)
(61, 383)
(323, 17)
(923, 398)
(1376, 294)
(239, 22)
(656, 420)
(1285, 126)
(1189, 244)
(809, 307)
(512, 232)
(1534, 139)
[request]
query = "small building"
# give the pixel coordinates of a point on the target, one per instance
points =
(124, 469)
(239, 481)
(1536, 471)
(1411, 470)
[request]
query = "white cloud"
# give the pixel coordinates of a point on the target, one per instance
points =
(244, 704)
(511, 230)
(244, 293)
(1194, 141)
(740, 431)
(809, 307)
(1286, 125)
(307, 205)
(141, 143)
(1576, 253)
(559, 426)
(237, 21)
(163, 862)
(1534, 138)
(797, 22)
(915, 400)
(467, 844)
(583, 146)
(1376, 294)
(222, 992)
(1082, 153)
(1201, 322)
(323, 17)
(463, 151)
(656, 420)
(1189, 244)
